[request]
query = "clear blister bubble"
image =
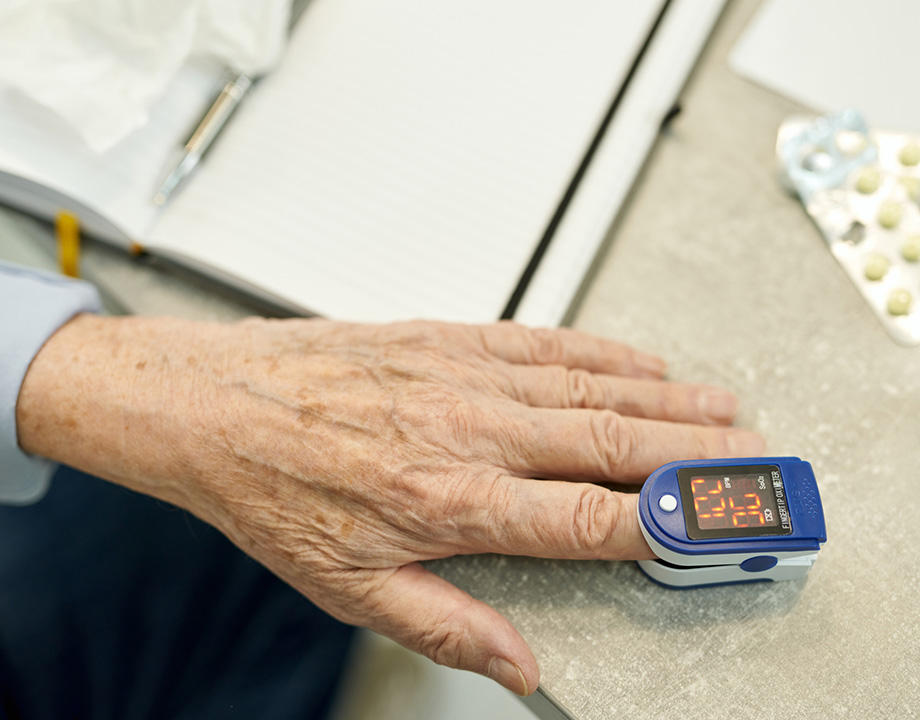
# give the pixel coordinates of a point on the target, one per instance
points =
(862, 190)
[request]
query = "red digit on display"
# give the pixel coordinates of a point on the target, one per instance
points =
(738, 513)
(708, 501)
(741, 514)
(754, 509)
(698, 484)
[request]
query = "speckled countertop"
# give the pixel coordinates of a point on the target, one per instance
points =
(714, 267)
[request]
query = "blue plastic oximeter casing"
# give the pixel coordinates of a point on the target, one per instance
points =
(670, 514)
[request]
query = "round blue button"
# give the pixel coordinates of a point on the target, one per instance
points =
(759, 563)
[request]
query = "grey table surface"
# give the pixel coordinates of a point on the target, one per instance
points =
(713, 266)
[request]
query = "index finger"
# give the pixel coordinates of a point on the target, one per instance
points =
(549, 519)
(521, 345)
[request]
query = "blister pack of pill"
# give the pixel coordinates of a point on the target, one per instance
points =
(862, 190)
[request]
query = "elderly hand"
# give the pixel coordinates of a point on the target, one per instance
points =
(340, 455)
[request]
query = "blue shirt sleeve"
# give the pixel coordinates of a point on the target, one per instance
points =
(33, 305)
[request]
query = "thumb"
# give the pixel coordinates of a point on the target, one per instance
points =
(428, 615)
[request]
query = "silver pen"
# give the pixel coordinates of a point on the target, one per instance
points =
(210, 126)
(213, 122)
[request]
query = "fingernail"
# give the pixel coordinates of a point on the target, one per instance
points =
(717, 405)
(649, 364)
(508, 675)
(743, 443)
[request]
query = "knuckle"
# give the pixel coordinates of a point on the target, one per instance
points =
(473, 510)
(413, 503)
(671, 404)
(459, 419)
(456, 492)
(581, 390)
(614, 441)
(442, 335)
(546, 347)
(708, 445)
(412, 334)
(428, 404)
(498, 502)
(596, 518)
(505, 329)
(702, 443)
(445, 644)
(348, 594)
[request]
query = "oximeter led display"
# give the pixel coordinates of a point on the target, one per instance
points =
(733, 501)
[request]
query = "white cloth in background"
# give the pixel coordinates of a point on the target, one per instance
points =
(100, 65)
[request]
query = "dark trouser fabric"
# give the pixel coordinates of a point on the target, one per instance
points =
(116, 606)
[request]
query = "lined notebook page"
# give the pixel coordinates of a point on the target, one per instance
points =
(405, 159)
(118, 185)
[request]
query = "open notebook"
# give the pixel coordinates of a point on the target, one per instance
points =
(407, 159)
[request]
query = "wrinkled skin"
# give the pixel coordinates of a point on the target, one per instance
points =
(341, 455)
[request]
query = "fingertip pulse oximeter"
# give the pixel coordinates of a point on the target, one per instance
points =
(716, 522)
